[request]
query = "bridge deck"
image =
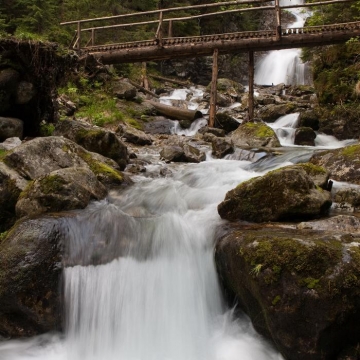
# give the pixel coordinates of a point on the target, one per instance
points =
(182, 47)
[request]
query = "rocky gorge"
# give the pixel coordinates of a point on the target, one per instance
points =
(286, 251)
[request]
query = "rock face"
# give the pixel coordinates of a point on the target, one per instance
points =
(11, 185)
(97, 140)
(254, 135)
(344, 163)
(61, 190)
(299, 287)
(10, 127)
(30, 279)
(285, 194)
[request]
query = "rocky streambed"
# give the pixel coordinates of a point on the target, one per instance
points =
(286, 251)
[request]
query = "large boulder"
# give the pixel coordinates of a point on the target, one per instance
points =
(123, 90)
(41, 156)
(97, 140)
(11, 185)
(301, 288)
(272, 112)
(10, 127)
(221, 147)
(288, 193)
(344, 163)
(61, 190)
(251, 134)
(30, 279)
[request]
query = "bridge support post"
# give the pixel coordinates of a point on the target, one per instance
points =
(78, 45)
(213, 90)
(278, 19)
(251, 87)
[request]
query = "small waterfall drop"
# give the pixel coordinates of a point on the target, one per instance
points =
(283, 66)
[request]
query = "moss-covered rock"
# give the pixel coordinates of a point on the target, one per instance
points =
(254, 134)
(288, 193)
(30, 278)
(94, 139)
(61, 190)
(343, 164)
(300, 288)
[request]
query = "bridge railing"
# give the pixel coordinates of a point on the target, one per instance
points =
(83, 26)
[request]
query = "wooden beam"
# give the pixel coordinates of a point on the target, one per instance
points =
(174, 9)
(196, 49)
(193, 17)
(251, 87)
(278, 20)
(213, 90)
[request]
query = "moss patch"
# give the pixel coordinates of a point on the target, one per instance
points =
(259, 130)
(52, 184)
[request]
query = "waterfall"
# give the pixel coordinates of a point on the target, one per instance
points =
(283, 66)
(140, 280)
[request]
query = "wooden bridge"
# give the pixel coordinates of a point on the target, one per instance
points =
(164, 46)
(161, 47)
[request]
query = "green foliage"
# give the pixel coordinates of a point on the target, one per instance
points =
(47, 129)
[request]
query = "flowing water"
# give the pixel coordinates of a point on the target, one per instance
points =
(140, 281)
(283, 66)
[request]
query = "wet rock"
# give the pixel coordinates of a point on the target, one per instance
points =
(192, 154)
(185, 124)
(288, 193)
(221, 147)
(343, 163)
(172, 153)
(182, 153)
(229, 87)
(299, 287)
(25, 92)
(159, 125)
(305, 136)
(30, 279)
(10, 127)
(310, 119)
(343, 223)
(253, 134)
(347, 199)
(226, 122)
(61, 190)
(94, 139)
(272, 112)
(134, 136)
(210, 130)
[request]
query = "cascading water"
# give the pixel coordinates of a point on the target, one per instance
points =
(283, 66)
(145, 285)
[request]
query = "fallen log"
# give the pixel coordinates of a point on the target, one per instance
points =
(176, 113)
(177, 82)
(141, 88)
